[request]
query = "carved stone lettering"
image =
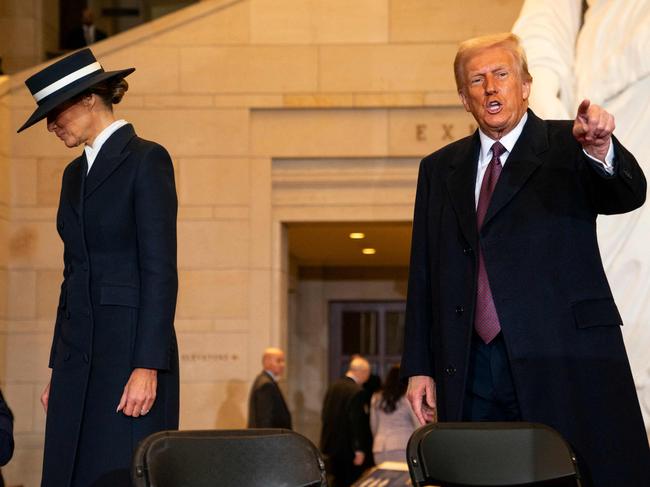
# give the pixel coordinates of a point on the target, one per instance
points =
(446, 131)
(421, 132)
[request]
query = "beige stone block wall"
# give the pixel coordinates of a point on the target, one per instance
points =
(318, 22)
(273, 111)
(28, 28)
(440, 21)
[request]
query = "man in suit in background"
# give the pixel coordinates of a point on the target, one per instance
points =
(266, 405)
(343, 439)
(85, 34)
(509, 313)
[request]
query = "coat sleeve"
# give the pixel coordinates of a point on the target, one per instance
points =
(417, 358)
(63, 294)
(6, 432)
(621, 192)
(356, 417)
(263, 403)
(155, 212)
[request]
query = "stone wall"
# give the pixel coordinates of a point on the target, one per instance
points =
(274, 111)
(28, 29)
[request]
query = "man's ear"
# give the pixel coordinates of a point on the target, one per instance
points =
(463, 99)
(525, 89)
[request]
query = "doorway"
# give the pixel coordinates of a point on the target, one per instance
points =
(373, 329)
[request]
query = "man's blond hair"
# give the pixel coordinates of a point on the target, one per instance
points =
(471, 47)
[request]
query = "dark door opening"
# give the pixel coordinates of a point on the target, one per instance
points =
(373, 329)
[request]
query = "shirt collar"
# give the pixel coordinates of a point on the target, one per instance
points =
(271, 375)
(508, 141)
(92, 150)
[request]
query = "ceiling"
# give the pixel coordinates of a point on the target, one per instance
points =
(329, 244)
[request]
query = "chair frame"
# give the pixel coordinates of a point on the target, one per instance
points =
(472, 438)
(140, 469)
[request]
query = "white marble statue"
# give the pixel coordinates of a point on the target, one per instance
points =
(604, 56)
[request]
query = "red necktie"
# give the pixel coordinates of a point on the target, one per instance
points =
(486, 320)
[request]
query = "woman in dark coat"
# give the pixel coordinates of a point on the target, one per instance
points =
(114, 358)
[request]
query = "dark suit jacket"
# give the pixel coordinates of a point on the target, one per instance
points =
(116, 310)
(343, 419)
(558, 317)
(77, 40)
(266, 405)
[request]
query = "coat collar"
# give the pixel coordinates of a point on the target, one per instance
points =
(110, 156)
(522, 163)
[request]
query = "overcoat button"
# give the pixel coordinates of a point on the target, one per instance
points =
(86, 358)
(467, 251)
(450, 370)
(459, 310)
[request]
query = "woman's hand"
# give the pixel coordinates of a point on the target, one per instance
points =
(45, 396)
(139, 393)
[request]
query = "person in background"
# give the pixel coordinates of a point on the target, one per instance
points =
(343, 416)
(87, 33)
(266, 405)
(114, 357)
(391, 419)
(6, 435)
(372, 385)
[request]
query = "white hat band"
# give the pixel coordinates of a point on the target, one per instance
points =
(66, 80)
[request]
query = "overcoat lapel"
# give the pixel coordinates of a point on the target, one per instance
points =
(110, 156)
(461, 183)
(74, 186)
(521, 164)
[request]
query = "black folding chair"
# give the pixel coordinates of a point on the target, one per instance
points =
(228, 458)
(490, 454)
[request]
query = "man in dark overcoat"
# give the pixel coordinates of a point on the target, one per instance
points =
(266, 405)
(343, 438)
(509, 313)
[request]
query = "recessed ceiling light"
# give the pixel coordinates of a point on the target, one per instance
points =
(357, 235)
(369, 251)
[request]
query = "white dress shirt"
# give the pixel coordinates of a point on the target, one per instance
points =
(508, 141)
(93, 150)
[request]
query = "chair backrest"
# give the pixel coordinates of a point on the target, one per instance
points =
(228, 458)
(490, 454)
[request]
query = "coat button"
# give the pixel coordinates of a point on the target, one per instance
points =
(450, 370)
(459, 310)
(85, 357)
(467, 251)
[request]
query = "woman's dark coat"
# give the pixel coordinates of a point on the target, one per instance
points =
(557, 314)
(116, 310)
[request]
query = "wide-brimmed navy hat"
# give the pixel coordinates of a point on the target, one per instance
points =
(64, 80)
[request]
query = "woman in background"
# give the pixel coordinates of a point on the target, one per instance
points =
(391, 419)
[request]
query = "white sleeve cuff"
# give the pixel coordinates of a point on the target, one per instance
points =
(608, 164)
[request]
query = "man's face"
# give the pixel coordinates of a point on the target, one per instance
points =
(276, 364)
(494, 91)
